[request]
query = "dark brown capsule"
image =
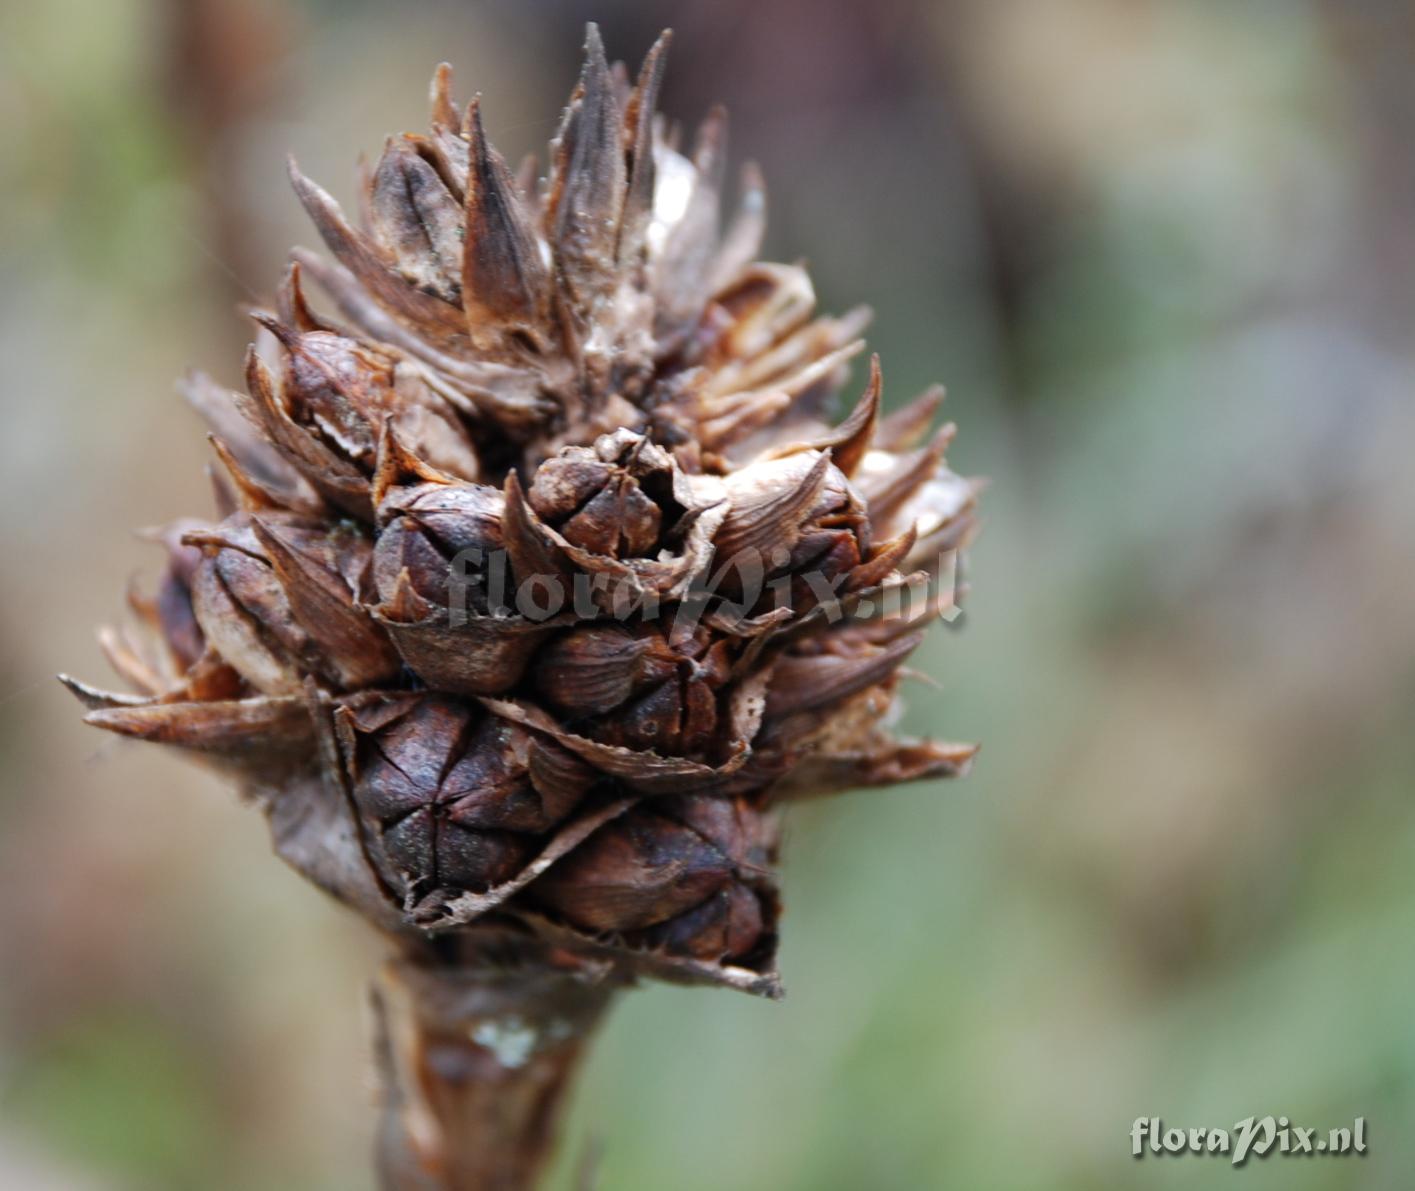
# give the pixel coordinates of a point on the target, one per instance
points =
(442, 535)
(457, 798)
(643, 687)
(617, 498)
(281, 599)
(676, 874)
(637, 871)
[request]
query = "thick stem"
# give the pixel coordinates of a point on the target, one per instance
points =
(476, 1059)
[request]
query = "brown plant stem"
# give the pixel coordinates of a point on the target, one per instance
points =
(476, 1052)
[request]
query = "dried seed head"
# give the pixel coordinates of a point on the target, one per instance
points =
(540, 574)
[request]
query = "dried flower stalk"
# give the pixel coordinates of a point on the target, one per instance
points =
(539, 582)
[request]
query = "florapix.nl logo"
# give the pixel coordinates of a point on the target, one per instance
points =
(1252, 1137)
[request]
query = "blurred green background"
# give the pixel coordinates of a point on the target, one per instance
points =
(1163, 254)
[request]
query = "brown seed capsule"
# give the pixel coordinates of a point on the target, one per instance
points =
(341, 393)
(727, 926)
(592, 670)
(279, 599)
(458, 603)
(458, 799)
(417, 220)
(443, 534)
(677, 874)
(626, 516)
(596, 496)
(642, 687)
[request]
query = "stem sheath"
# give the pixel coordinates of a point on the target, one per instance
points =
(476, 1060)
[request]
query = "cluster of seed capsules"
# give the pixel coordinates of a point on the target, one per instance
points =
(540, 577)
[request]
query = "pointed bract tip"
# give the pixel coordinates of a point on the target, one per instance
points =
(249, 493)
(653, 63)
(471, 128)
(595, 75)
(444, 111)
(288, 336)
(95, 699)
(406, 606)
(851, 439)
(397, 464)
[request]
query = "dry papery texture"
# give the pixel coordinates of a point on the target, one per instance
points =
(539, 579)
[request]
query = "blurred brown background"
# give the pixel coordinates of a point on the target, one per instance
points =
(1163, 254)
